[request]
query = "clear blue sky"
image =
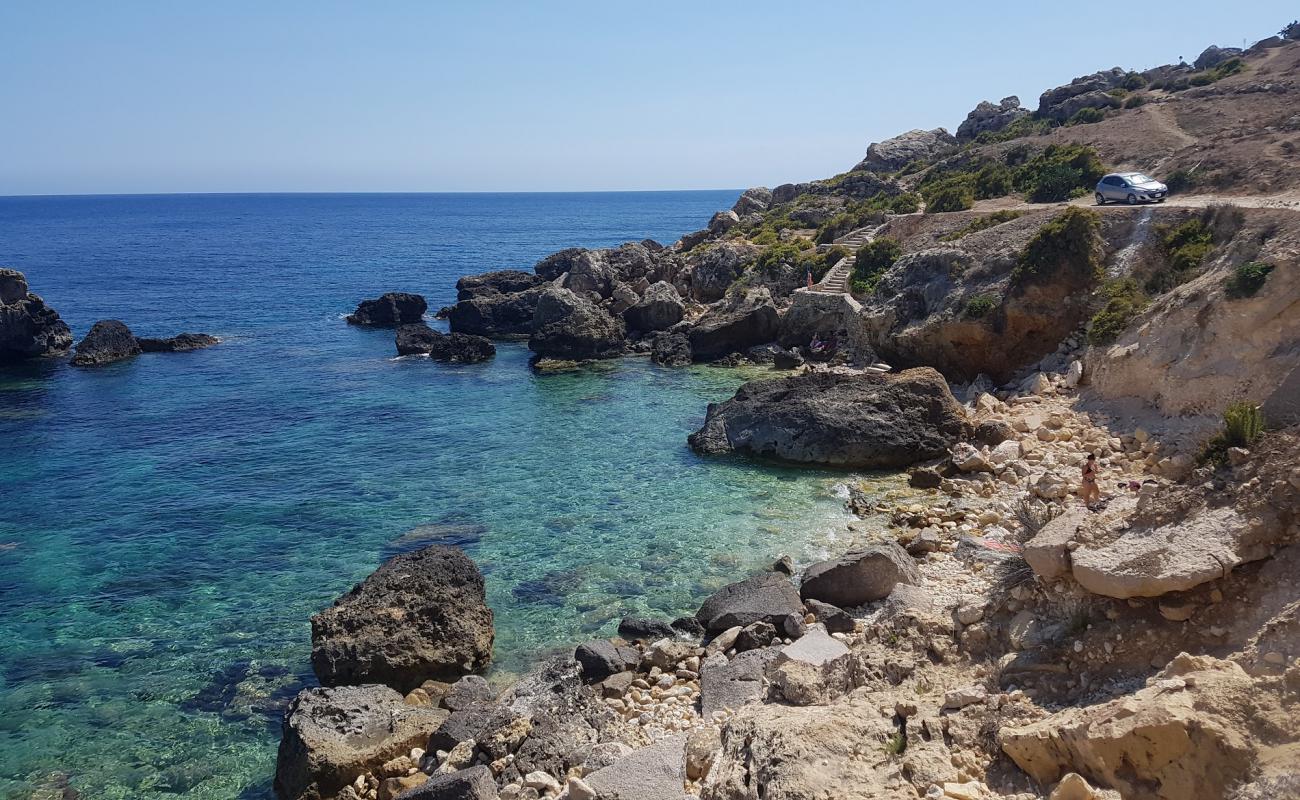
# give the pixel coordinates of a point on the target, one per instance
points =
(162, 96)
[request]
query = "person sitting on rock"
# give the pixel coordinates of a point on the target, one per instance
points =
(1089, 491)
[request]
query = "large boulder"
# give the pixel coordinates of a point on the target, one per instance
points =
(504, 281)
(753, 201)
(180, 343)
(893, 154)
(741, 321)
(1199, 728)
(572, 328)
(768, 597)
(109, 340)
(671, 350)
(28, 327)
(860, 421)
(658, 309)
(601, 271)
(731, 684)
(1213, 56)
(389, 310)
(496, 315)
(333, 735)
(556, 264)
(657, 772)
(460, 348)
(859, 577)
(990, 118)
(420, 616)
(1051, 102)
(714, 268)
(474, 783)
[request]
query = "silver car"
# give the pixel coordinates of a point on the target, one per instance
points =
(1131, 187)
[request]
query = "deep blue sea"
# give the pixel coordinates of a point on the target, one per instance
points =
(168, 525)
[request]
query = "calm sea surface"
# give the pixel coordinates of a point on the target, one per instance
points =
(169, 524)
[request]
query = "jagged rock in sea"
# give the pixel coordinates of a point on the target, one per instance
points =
(503, 281)
(601, 271)
(496, 315)
(569, 327)
(461, 348)
(859, 577)
(421, 615)
(180, 343)
(28, 327)
(768, 597)
(863, 421)
(671, 349)
(714, 268)
(333, 735)
(109, 340)
(389, 310)
(754, 200)
(556, 264)
(659, 308)
(895, 153)
(740, 321)
(990, 118)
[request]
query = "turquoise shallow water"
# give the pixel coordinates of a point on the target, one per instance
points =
(168, 525)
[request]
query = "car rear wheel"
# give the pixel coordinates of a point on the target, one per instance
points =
(1132, 200)
(1101, 199)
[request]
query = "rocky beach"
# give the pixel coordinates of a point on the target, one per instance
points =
(957, 312)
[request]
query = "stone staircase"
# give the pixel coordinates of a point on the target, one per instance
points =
(836, 281)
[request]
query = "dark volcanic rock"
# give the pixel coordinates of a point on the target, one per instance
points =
(332, 735)
(571, 328)
(761, 598)
(713, 269)
(461, 348)
(646, 630)
(601, 658)
(389, 311)
(466, 692)
(741, 321)
(109, 340)
(505, 281)
(658, 309)
(421, 615)
(497, 316)
(756, 635)
(859, 577)
(671, 350)
(556, 264)
(474, 783)
(836, 619)
(180, 343)
(28, 327)
(860, 421)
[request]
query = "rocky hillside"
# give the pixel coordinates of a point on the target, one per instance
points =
(993, 631)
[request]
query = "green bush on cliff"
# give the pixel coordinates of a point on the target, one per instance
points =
(1020, 128)
(980, 305)
(872, 260)
(952, 196)
(1133, 81)
(835, 255)
(993, 180)
(1185, 246)
(1071, 242)
(1248, 279)
(1135, 101)
(1243, 423)
(905, 203)
(1056, 172)
(1085, 116)
(1124, 301)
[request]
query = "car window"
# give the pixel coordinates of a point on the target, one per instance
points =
(1113, 181)
(1140, 178)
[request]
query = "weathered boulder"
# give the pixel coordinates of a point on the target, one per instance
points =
(864, 421)
(504, 281)
(569, 327)
(28, 327)
(646, 630)
(987, 117)
(819, 313)
(180, 343)
(893, 154)
(658, 309)
(600, 271)
(817, 668)
(657, 772)
(859, 577)
(389, 310)
(332, 735)
(421, 615)
(1200, 727)
(601, 658)
(474, 783)
(753, 201)
(109, 340)
(1213, 56)
(461, 348)
(741, 321)
(768, 597)
(568, 717)
(495, 315)
(671, 350)
(1050, 103)
(723, 221)
(556, 264)
(832, 617)
(714, 268)
(731, 684)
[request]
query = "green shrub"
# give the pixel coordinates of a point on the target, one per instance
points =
(1133, 81)
(1180, 180)
(992, 180)
(1119, 93)
(1050, 175)
(872, 260)
(1055, 184)
(1242, 424)
(979, 305)
(1135, 101)
(1201, 79)
(1086, 116)
(1248, 279)
(766, 236)
(1124, 301)
(1070, 242)
(982, 223)
(953, 197)
(1025, 126)
(1187, 244)
(1205, 77)
(905, 203)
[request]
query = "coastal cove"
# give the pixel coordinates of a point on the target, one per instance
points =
(169, 525)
